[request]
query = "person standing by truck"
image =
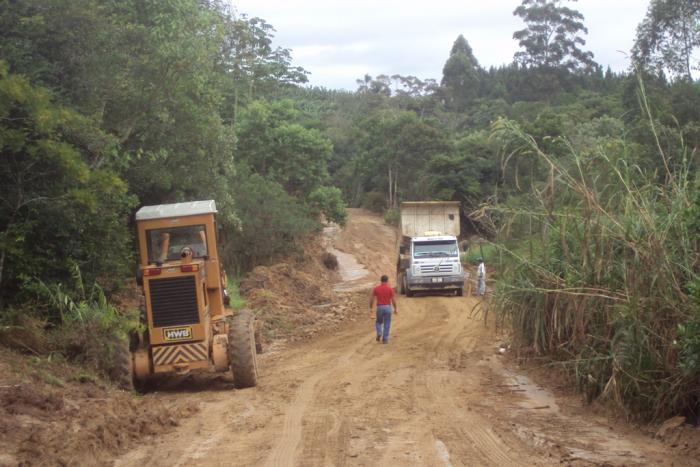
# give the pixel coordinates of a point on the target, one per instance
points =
(384, 296)
(481, 275)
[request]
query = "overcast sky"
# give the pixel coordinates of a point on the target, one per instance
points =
(338, 42)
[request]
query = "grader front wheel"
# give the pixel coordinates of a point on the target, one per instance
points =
(241, 350)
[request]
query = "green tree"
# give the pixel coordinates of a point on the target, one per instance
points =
(58, 206)
(461, 76)
(668, 36)
(274, 144)
(552, 37)
(328, 200)
(394, 148)
(468, 173)
(380, 85)
(271, 222)
(251, 67)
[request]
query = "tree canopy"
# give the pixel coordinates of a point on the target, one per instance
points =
(106, 106)
(668, 37)
(461, 76)
(552, 37)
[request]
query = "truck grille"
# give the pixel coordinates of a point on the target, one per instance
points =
(428, 268)
(173, 301)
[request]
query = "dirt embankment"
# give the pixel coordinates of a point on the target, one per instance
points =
(57, 414)
(292, 300)
(301, 297)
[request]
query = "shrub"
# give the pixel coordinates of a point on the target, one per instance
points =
(486, 251)
(373, 201)
(328, 200)
(234, 292)
(330, 261)
(392, 216)
(270, 222)
(89, 328)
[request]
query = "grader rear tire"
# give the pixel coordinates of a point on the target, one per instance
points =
(241, 350)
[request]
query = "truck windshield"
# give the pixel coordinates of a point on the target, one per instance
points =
(434, 249)
(168, 244)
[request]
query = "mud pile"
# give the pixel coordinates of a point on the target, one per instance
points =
(56, 414)
(294, 299)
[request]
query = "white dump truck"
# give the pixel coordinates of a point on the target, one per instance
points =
(428, 250)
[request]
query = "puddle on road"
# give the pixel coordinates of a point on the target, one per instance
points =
(348, 267)
(535, 396)
(443, 453)
(594, 443)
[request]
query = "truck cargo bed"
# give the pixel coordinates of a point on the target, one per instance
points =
(419, 218)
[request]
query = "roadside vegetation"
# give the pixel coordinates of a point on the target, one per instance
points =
(105, 107)
(583, 180)
(599, 271)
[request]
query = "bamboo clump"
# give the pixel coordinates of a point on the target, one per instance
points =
(597, 265)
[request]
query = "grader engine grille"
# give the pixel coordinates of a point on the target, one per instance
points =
(174, 301)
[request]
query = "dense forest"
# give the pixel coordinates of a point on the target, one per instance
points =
(584, 181)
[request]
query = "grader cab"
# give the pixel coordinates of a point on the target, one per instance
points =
(186, 323)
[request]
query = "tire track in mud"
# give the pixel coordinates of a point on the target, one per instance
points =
(284, 452)
(337, 397)
(465, 436)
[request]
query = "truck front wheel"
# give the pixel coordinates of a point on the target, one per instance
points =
(409, 292)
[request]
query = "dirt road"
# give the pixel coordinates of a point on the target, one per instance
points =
(439, 394)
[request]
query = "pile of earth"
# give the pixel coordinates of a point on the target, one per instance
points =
(294, 299)
(53, 413)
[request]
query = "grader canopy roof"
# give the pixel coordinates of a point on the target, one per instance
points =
(163, 211)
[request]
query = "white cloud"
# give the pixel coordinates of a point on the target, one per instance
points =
(338, 42)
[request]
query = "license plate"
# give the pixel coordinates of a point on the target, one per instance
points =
(437, 279)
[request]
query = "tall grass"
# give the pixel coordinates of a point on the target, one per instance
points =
(597, 270)
(233, 288)
(81, 323)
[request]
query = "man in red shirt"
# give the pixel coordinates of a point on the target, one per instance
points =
(385, 299)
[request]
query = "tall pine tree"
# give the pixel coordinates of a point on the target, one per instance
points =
(461, 76)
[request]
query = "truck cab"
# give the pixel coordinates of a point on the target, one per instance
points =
(434, 264)
(429, 255)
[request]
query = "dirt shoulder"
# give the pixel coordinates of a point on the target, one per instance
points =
(53, 413)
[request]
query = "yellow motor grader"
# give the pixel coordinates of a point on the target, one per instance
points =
(186, 323)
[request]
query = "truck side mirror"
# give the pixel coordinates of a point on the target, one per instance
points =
(402, 250)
